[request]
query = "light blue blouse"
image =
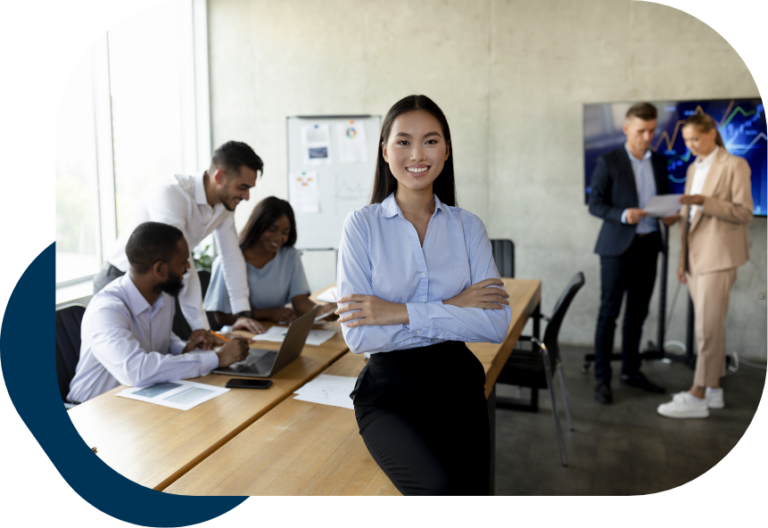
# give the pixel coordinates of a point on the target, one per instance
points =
(380, 255)
(273, 286)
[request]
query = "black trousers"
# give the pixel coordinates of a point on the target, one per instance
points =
(632, 273)
(423, 416)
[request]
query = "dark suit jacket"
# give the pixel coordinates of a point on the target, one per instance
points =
(613, 190)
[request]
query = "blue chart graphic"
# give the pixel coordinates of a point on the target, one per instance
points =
(741, 123)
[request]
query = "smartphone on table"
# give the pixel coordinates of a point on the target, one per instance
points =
(239, 383)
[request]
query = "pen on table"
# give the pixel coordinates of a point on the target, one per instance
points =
(220, 336)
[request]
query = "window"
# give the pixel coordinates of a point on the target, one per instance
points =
(135, 111)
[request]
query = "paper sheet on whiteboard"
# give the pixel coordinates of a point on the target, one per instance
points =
(304, 192)
(316, 140)
(352, 142)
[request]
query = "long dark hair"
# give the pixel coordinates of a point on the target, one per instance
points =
(384, 182)
(704, 123)
(264, 214)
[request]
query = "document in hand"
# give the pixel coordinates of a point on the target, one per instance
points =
(663, 205)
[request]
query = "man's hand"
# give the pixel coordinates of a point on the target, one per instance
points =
(691, 199)
(670, 220)
(280, 315)
(202, 339)
(233, 351)
(681, 275)
(249, 325)
(634, 215)
(372, 311)
(482, 295)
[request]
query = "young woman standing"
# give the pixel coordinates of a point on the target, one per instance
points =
(416, 280)
(717, 206)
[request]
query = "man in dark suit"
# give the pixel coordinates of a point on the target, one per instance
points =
(624, 181)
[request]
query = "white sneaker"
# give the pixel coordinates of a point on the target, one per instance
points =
(715, 398)
(683, 405)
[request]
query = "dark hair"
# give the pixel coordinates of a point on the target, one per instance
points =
(232, 155)
(644, 111)
(264, 214)
(705, 123)
(384, 183)
(151, 242)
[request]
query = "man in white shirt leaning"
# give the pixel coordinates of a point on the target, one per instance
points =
(198, 206)
(126, 335)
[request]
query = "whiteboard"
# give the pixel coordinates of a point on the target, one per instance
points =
(341, 187)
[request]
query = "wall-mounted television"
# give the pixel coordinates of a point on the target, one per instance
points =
(741, 123)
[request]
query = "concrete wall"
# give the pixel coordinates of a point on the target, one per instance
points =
(512, 77)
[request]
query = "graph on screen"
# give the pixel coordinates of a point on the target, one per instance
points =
(741, 123)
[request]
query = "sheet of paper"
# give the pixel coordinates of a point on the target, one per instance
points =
(663, 205)
(277, 334)
(182, 395)
(351, 139)
(316, 141)
(328, 390)
(304, 192)
(328, 295)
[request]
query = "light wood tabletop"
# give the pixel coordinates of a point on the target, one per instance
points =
(154, 445)
(303, 448)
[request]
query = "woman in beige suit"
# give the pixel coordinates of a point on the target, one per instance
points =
(717, 206)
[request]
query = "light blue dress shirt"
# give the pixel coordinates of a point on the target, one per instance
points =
(127, 341)
(646, 189)
(380, 255)
(273, 286)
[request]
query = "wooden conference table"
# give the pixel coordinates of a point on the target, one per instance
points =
(154, 445)
(303, 448)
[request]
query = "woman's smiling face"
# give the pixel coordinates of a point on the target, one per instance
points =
(276, 235)
(416, 149)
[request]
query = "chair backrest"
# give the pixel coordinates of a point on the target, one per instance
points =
(558, 314)
(180, 325)
(68, 322)
(504, 256)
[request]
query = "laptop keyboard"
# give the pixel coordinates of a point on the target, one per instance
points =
(256, 364)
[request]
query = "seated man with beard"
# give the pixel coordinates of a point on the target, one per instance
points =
(126, 329)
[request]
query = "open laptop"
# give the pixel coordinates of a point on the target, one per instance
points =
(265, 363)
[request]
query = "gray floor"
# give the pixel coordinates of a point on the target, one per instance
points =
(621, 449)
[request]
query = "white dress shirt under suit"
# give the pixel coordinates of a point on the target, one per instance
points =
(646, 189)
(127, 341)
(180, 201)
(380, 255)
(699, 178)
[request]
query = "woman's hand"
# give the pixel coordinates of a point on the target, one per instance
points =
(480, 295)
(692, 199)
(249, 325)
(372, 311)
(681, 275)
(280, 315)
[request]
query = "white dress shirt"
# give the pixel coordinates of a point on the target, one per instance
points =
(380, 255)
(646, 189)
(180, 201)
(125, 341)
(699, 177)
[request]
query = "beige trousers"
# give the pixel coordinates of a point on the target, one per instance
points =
(710, 293)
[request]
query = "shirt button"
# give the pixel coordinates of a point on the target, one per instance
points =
(418, 331)
(423, 274)
(423, 299)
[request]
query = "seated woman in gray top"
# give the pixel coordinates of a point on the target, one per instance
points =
(273, 267)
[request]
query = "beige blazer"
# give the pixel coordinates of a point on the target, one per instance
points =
(717, 237)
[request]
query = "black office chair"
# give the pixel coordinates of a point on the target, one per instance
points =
(535, 368)
(180, 325)
(504, 256)
(68, 322)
